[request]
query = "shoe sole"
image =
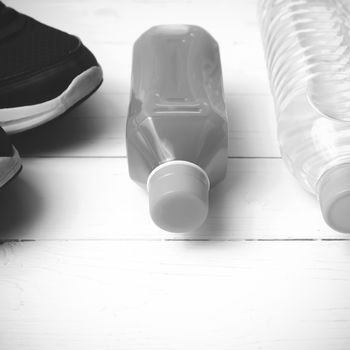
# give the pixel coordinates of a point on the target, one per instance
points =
(18, 119)
(10, 167)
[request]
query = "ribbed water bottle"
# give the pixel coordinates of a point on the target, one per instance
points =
(307, 50)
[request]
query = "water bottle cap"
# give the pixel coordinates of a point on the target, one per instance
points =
(178, 196)
(334, 197)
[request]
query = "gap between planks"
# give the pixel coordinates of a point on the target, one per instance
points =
(2, 241)
(124, 157)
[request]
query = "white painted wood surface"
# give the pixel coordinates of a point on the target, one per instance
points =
(83, 267)
(78, 198)
(175, 295)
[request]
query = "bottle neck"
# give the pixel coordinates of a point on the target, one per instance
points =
(333, 191)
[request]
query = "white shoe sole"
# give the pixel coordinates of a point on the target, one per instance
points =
(17, 119)
(9, 167)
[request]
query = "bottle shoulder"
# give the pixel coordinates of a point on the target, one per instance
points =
(162, 111)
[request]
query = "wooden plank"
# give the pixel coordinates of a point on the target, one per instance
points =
(110, 28)
(97, 128)
(79, 198)
(175, 295)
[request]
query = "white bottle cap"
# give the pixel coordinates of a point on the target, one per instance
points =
(178, 196)
(334, 197)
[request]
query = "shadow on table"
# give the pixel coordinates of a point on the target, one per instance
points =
(73, 130)
(20, 207)
(221, 223)
(20, 202)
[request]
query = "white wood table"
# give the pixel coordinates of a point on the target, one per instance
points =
(83, 267)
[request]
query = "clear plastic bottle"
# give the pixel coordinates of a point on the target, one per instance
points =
(177, 125)
(307, 50)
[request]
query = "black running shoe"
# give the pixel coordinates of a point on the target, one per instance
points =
(43, 71)
(10, 162)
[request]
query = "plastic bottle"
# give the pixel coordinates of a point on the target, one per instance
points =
(177, 125)
(307, 49)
